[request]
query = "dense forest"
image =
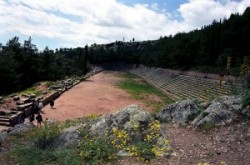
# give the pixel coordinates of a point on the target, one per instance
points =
(207, 49)
(22, 65)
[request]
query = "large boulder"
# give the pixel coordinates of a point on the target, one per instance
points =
(217, 114)
(69, 137)
(126, 118)
(180, 112)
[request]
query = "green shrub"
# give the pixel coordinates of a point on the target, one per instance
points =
(96, 150)
(30, 154)
(46, 136)
(32, 90)
(50, 83)
(144, 150)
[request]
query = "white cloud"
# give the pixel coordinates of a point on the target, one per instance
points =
(79, 22)
(197, 13)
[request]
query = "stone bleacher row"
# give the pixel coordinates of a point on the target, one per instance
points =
(180, 87)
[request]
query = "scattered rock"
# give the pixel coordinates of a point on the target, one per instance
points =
(32, 96)
(16, 98)
(19, 128)
(25, 95)
(180, 112)
(20, 102)
(123, 153)
(12, 95)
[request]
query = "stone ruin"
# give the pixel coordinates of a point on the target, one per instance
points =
(16, 105)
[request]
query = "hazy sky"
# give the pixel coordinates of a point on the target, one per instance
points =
(72, 23)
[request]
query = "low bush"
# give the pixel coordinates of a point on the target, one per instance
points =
(46, 136)
(96, 150)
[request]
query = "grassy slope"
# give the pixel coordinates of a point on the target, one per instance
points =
(141, 90)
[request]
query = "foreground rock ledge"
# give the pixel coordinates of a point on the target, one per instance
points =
(221, 111)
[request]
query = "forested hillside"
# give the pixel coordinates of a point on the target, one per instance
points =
(206, 49)
(22, 65)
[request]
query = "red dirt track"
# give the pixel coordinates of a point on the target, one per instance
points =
(96, 95)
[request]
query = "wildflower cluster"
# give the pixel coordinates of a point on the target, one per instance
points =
(121, 139)
(158, 151)
(154, 132)
(142, 146)
(133, 150)
(161, 148)
(150, 146)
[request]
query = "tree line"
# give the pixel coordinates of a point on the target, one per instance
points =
(22, 65)
(205, 50)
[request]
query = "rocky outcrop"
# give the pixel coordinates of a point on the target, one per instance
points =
(231, 103)
(217, 114)
(221, 111)
(180, 112)
(234, 104)
(127, 119)
(137, 123)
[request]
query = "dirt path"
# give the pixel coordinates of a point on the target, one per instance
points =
(227, 144)
(96, 95)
